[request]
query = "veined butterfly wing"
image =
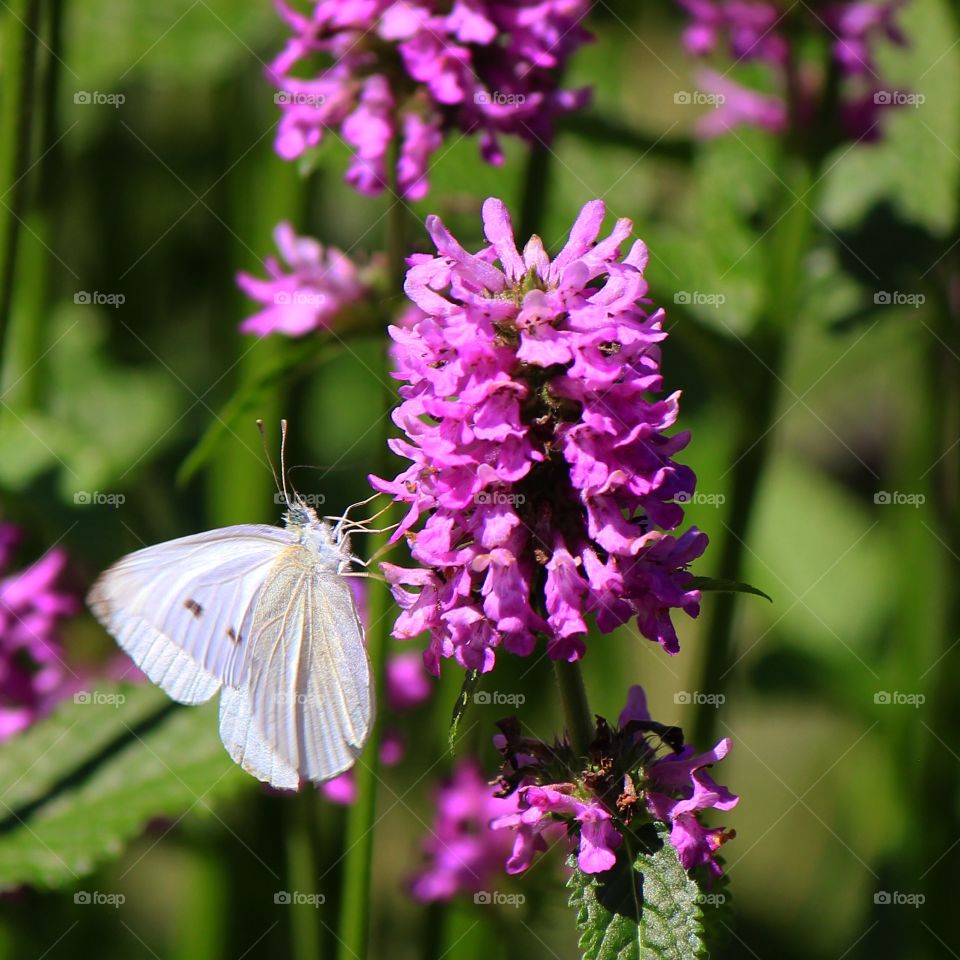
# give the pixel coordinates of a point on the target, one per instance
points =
(183, 610)
(309, 682)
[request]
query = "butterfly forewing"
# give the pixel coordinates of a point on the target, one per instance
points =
(182, 610)
(266, 615)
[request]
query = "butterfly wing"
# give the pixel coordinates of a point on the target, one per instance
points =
(310, 693)
(183, 610)
(247, 745)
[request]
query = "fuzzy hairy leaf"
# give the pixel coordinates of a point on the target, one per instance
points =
(646, 908)
(82, 782)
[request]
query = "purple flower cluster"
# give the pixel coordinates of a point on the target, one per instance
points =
(306, 291)
(678, 787)
(33, 674)
(624, 785)
(409, 71)
(539, 460)
(463, 853)
(542, 808)
(759, 30)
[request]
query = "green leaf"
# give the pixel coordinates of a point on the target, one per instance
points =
(296, 359)
(470, 680)
(133, 407)
(84, 781)
(646, 908)
(720, 585)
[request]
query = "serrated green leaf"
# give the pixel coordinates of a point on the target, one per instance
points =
(81, 783)
(646, 908)
(470, 681)
(720, 585)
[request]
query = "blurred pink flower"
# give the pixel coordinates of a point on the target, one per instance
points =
(412, 71)
(738, 106)
(463, 853)
(849, 32)
(33, 673)
(305, 291)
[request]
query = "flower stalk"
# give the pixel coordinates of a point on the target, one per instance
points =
(16, 125)
(576, 710)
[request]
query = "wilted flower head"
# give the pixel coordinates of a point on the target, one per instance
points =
(33, 674)
(758, 30)
(463, 853)
(304, 292)
(539, 461)
(379, 71)
(624, 783)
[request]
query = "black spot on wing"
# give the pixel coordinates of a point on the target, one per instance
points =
(233, 635)
(194, 608)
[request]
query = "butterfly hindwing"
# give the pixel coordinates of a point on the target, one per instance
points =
(183, 610)
(247, 745)
(309, 681)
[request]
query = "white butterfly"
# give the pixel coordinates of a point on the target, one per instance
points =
(265, 615)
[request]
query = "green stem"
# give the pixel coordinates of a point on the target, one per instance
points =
(576, 710)
(16, 124)
(536, 189)
(763, 361)
(939, 775)
(302, 876)
(358, 860)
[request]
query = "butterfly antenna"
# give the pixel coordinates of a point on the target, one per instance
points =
(266, 450)
(283, 458)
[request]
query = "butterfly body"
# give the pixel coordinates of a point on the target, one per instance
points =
(265, 616)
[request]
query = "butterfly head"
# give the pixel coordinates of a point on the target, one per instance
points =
(313, 531)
